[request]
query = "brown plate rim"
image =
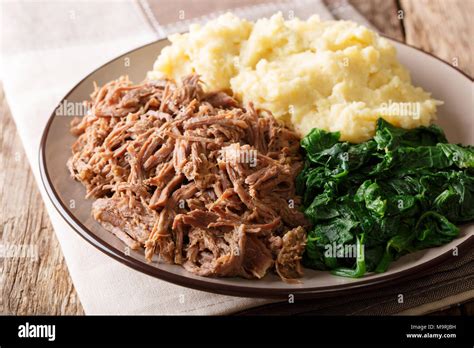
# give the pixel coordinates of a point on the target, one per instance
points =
(203, 284)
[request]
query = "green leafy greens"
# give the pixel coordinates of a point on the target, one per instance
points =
(402, 191)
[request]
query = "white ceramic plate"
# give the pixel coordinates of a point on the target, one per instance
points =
(455, 117)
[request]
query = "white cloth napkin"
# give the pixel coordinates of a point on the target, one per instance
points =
(47, 47)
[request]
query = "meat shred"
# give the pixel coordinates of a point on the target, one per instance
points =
(194, 178)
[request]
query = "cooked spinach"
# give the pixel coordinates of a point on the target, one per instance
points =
(402, 191)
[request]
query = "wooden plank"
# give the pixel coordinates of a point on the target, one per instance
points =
(383, 15)
(441, 27)
(34, 278)
(453, 310)
(468, 308)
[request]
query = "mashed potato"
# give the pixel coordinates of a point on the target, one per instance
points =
(335, 75)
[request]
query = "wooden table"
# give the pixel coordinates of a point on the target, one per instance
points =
(440, 27)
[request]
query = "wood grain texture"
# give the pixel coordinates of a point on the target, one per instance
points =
(43, 286)
(383, 15)
(34, 277)
(442, 27)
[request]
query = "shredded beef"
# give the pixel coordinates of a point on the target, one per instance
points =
(194, 178)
